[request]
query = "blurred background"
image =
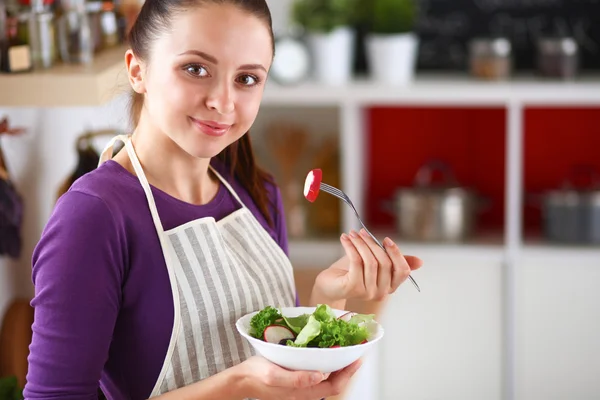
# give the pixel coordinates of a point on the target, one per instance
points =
(467, 130)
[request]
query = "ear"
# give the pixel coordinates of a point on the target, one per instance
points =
(135, 72)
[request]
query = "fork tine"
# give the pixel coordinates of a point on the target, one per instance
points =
(331, 189)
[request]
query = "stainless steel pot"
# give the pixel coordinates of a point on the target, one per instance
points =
(564, 216)
(435, 213)
(571, 214)
(593, 216)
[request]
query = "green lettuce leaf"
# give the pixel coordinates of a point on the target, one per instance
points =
(310, 331)
(320, 329)
(265, 317)
(324, 313)
(296, 323)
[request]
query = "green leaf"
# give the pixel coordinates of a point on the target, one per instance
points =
(310, 331)
(259, 322)
(391, 16)
(324, 15)
(324, 313)
(9, 389)
(296, 323)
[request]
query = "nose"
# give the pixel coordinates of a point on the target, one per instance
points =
(220, 98)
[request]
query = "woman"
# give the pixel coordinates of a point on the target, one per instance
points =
(147, 262)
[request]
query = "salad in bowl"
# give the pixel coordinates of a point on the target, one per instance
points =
(310, 338)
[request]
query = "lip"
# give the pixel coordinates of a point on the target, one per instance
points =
(211, 128)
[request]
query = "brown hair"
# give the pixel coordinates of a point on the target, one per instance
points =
(154, 18)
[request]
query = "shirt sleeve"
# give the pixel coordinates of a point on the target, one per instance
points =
(77, 274)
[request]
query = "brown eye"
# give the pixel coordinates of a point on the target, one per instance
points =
(196, 70)
(248, 80)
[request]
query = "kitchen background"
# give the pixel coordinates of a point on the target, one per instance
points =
(469, 132)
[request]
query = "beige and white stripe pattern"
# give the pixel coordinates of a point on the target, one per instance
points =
(219, 271)
(223, 271)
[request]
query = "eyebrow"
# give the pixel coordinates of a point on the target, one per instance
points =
(213, 60)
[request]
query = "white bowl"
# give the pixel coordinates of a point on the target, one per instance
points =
(306, 358)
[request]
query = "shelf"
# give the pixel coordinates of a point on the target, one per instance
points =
(442, 89)
(320, 254)
(66, 85)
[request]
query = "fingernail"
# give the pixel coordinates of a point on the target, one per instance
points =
(353, 233)
(345, 237)
(388, 242)
(364, 233)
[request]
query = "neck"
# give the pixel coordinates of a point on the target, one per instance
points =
(171, 169)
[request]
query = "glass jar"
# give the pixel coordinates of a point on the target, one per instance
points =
(94, 12)
(109, 23)
(558, 57)
(490, 58)
(75, 35)
(41, 35)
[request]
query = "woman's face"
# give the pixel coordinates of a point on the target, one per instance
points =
(205, 77)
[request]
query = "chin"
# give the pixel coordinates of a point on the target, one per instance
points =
(203, 148)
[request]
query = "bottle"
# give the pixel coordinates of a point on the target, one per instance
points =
(110, 28)
(75, 34)
(17, 55)
(41, 34)
(3, 31)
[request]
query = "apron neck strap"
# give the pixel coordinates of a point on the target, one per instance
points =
(137, 167)
(228, 186)
(107, 154)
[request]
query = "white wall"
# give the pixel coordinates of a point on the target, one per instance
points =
(39, 161)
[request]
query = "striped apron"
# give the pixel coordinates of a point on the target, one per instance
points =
(219, 271)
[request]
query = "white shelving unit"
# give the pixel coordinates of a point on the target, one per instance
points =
(447, 91)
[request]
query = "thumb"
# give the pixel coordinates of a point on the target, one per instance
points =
(414, 262)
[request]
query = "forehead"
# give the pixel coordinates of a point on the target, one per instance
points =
(231, 35)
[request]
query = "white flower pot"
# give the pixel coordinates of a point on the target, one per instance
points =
(332, 55)
(392, 58)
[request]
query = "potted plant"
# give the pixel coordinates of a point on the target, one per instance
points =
(391, 42)
(328, 25)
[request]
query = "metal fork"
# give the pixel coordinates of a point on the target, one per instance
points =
(344, 197)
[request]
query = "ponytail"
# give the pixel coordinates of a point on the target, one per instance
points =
(136, 102)
(242, 163)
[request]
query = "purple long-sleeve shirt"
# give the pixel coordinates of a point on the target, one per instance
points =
(103, 302)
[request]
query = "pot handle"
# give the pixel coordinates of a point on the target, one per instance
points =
(424, 175)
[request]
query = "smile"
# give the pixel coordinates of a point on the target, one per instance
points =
(211, 128)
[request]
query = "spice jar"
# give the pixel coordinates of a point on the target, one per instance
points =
(490, 58)
(558, 57)
(110, 28)
(94, 12)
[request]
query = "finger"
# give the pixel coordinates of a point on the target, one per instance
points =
(369, 263)
(355, 274)
(384, 273)
(281, 377)
(401, 268)
(337, 381)
(414, 262)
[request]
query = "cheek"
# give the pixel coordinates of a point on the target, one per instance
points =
(247, 110)
(169, 94)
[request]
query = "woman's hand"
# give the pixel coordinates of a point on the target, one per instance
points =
(366, 272)
(264, 380)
